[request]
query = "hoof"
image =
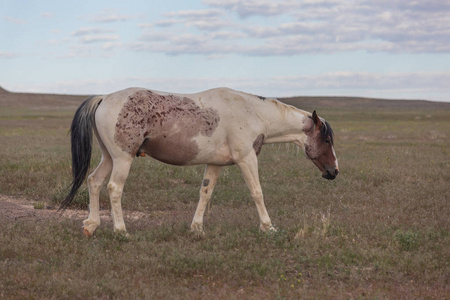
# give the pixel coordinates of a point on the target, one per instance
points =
(198, 233)
(122, 234)
(273, 229)
(197, 229)
(89, 227)
(87, 233)
(267, 228)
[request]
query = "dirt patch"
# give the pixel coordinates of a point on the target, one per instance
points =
(12, 209)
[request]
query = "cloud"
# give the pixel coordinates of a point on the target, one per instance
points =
(47, 15)
(94, 35)
(146, 25)
(111, 45)
(246, 8)
(8, 55)
(89, 31)
(14, 20)
(194, 14)
(62, 41)
(302, 27)
(111, 17)
(363, 27)
(154, 36)
(227, 35)
(98, 38)
(204, 19)
(285, 29)
(225, 42)
(187, 43)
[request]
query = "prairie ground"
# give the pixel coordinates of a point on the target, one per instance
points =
(379, 231)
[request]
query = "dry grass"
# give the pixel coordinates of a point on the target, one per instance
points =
(380, 230)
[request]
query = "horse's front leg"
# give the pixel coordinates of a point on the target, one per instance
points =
(249, 169)
(208, 184)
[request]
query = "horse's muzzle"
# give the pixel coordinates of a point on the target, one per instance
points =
(330, 175)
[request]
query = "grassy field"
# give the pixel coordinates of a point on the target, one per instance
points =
(379, 231)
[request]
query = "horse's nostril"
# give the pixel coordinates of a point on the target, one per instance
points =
(329, 175)
(336, 172)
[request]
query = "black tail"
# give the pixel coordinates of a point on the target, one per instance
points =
(81, 144)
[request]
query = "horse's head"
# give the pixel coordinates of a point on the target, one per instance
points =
(319, 146)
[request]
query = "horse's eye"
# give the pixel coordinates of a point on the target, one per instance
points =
(327, 141)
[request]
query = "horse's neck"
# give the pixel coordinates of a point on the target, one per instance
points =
(285, 124)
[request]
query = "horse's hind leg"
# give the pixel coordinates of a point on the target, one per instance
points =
(95, 181)
(208, 184)
(121, 168)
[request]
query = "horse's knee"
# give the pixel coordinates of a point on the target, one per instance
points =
(257, 194)
(115, 191)
(112, 187)
(93, 183)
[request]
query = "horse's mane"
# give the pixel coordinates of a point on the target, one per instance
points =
(326, 131)
(284, 108)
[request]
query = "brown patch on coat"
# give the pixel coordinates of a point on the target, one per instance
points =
(257, 144)
(163, 126)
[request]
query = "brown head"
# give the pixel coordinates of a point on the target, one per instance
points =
(319, 146)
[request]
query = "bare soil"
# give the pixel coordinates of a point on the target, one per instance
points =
(12, 209)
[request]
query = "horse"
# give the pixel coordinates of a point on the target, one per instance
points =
(216, 128)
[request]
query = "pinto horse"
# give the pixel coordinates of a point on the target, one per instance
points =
(218, 127)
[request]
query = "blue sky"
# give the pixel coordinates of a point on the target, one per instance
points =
(387, 48)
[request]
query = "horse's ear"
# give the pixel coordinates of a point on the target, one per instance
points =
(316, 120)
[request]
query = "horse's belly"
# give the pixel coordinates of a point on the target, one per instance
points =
(179, 150)
(172, 150)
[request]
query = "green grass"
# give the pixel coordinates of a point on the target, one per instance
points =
(380, 230)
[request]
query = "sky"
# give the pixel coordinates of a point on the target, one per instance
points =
(393, 49)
